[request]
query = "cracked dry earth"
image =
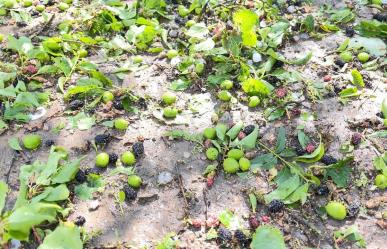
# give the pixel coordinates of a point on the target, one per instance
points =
(160, 207)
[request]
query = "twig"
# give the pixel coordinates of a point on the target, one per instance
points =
(36, 33)
(205, 204)
(36, 235)
(181, 185)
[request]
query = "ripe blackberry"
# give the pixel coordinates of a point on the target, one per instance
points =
(299, 150)
(353, 209)
(138, 149)
(380, 17)
(328, 160)
(79, 221)
(102, 138)
(224, 235)
(118, 104)
(248, 129)
(380, 115)
(356, 138)
(275, 206)
(240, 237)
(322, 190)
(76, 105)
(130, 193)
(349, 31)
(49, 142)
(339, 62)
(81, 176)
(113, 157)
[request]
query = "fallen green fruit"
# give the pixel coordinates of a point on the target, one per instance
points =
(377, 2)
(226, 85)
(336, 210)
(363, 57)
(190, 23)
(82, 53)
(172, 53)
(1, 37)
(137, 59)
(212, 154)
(63, 6)
(40, 8)
(169, 112)
(168, 98)
(235, 153)
(134, 181)
(254, 101)
(3, 12)
(182, 10)
(107, 96)
(209, 133)
(102, 160)
(230, 165)
(27, 3)
(381, 181)
(121, 124)
(128, 158)
(244, 164)
(8, 3)
(346, 56)
(32, 141)
(224, 95)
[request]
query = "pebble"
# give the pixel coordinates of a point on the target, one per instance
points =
(291, 9)
(257, 57)
(164, 178)
(94, 205)
(173, 33)
(186, 155)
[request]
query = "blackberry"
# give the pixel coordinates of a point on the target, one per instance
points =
(299, 150)
(380, 115)
(142, 103)
(76, 105)
(113, 157)
(278, 64)
(81, 176)
(275, 206)
(353, 209)
(102, 138)
(49, 143)
(130, 193)
(349, 31)
(79, 221)
(224, 235)
(248, 129)
(240, 237)
(356, 138)
(118, 104)
(328, 160)
(237, 85)
(322, 190)
(339, 62)
(138, 149)
(380, 17)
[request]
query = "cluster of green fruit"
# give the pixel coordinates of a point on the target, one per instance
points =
(235, 160)
(347, 56)
(169, 111)
(225, 95)
(9, 4)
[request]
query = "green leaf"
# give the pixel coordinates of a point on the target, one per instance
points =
(64, 236)
(303, 139)
(349, 92)
(300, 194)
(58, 193)
(221, 130)
(21, 45)
(284, 189)
(288, 76)
(14, 143)
(246, 20)
(342, 16)
(205, 45)
(3, 194)
(267, 236)
(302, 61)
(253, 202)
(357, 78)
(122, 170)
(380, 163)
(180, 85)
(374, 46)
(49, 169)
(228, 219)
(265, 161)
(82, 121)
(85, 190)
(168, 242)
(67, 172)
(317, 154)
(248, 142)
(253, 86)
(309, 23)
(198, 30)
(343, 46)
(281, 140)
(372, 28)
(340, 173)
(234, 131)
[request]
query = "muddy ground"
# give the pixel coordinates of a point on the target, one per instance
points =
(160, 208)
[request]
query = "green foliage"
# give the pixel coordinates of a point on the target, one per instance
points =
(357, 78)
(372, 28)
(351, 234)
(94, 183)
(267, 235)
(168, 242)
(340, 172)
(259, 87)
(64, 236)
(246, 20)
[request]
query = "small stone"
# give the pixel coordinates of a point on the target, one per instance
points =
(291, 9)
(173, 33)
(94, 205)
(186, 155)
(164, 178)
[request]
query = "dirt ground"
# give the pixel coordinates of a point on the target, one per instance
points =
(161, 208)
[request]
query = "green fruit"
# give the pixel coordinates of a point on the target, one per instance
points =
(68, 1)
(3, 12)
(244, 164)
(128, 158)
(209, 133)
(168, 98)
(254, 101)
(63, 6)
(346, 56)
(107, 96)
(102, 160)
(137, 59)
(230, 165)
(169, 112)
(224, 95)
(121, 124)
(336, 210)
(8, 3)
(1, 37)
(27, 3)
(199, 67)
(381, 181)
(363, 57)
(53, 43)
(82, 53)
(172, 53)
(40, 8)
(32, 141)
(190, 23)
(226, 85)
(183, 11)
(212, 154)
(235, 153)
(377, 2)
(134, 181)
